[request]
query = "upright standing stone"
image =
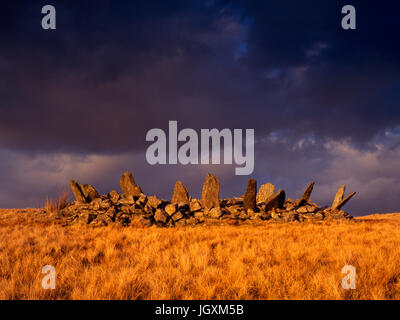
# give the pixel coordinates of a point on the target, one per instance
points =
(339, 196)
(266, 191)
(249, 201)
(339, 202)
(77, 191)
(181, 194)
(129, 186)
(210, 192)
(306, 195)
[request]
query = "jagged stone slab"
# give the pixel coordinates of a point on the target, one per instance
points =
(129, 186)
(77, 191)
(342, 203)
(276, 201)
(210, 192)
(339, 196)
(90, 192)
(305, 198)
(249, 201)
(181, 193)
(266, 191)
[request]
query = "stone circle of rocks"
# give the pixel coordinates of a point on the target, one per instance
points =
(132, 206)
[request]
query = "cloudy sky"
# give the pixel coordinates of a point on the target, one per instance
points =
(77, 102)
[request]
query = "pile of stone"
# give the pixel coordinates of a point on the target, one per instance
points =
(132, 206)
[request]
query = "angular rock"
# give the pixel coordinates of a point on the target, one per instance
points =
(114, 196)
(339, 202)
(90, 192)
(215, 213)
(249, 201)
(77, 191)
(177, 216)
(96, 204)
(266, 191)
(181, 194)
(302, 210)
(275, 201)
(306, 195)
(210, 192)
(160, 216)
(129, 186)
(195, 205)
(154, 202)
(342, 203)
(170, 209)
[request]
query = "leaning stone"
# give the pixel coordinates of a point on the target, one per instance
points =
(306, 195)
(339, 196)
(210, 192)
(181, 194)
(90, 192)
(266, 191)
(249, 201)
(275, 201)
(342, 203)
(77, 191)
(129, 186)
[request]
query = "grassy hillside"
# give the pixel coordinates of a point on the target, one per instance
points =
(272, 261)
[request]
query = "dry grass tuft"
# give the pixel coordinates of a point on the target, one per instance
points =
(276, 261)
(54, 205)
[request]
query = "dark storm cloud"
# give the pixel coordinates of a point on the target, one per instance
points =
(112, 69)
(115, 69)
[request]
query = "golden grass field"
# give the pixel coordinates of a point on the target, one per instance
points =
(272, 261)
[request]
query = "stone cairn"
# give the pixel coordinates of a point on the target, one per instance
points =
(132, 206)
